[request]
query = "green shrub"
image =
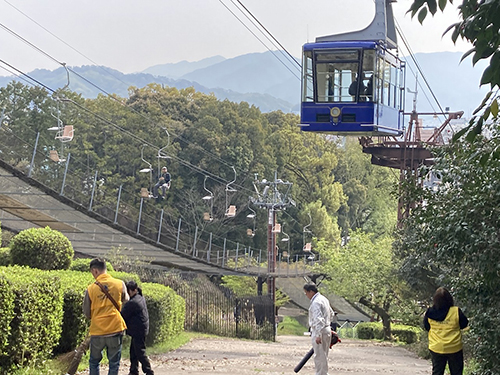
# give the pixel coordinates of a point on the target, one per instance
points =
(83, 265)
(6, 313)
(406, 334)
(5, 259)
(41, 248)
(370, 331)
(74, 323)
(402, 333)
(166, 312)
(38, 309)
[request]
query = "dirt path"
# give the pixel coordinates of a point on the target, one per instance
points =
(211, 356)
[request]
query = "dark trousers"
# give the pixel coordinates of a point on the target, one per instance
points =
(455, 363)
(138, 355)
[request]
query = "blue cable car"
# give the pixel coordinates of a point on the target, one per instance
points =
(352, 83)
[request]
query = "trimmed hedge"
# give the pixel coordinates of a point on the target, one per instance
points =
(41, 313)
(6, 313)
(401, 332)
(41, 248)
(83, 265)
(167, 312)
(36, 323)
(5, 259)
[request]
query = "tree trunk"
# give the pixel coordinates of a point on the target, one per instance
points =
(386, 319)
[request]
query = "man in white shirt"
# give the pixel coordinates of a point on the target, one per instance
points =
(320, 317)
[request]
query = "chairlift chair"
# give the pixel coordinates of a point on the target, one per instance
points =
(208, 216)
(148, 169)
(230, 209)
(65, 134)
(54, 156)
(251, 215)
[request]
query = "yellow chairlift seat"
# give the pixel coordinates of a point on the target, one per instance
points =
(207, 216)
(250, 232)
(277, 228)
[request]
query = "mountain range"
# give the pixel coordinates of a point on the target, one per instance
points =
(272, 82)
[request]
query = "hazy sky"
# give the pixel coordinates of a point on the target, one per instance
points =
(131, 36)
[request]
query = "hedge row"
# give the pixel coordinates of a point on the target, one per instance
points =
(41, 313)
(402, 333)
(160, 299)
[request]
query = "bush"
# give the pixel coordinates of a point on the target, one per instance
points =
(167, 312)
(6, 313)
(74, 323)
(36, 325)
(402, 333)
(370, 331)
(41, 248)
(5, 259)
(83, 265)
(406, 334)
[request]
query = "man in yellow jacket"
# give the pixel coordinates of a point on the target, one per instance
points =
(444, 321)
(106, 323)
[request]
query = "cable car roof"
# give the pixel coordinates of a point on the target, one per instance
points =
(340, 44)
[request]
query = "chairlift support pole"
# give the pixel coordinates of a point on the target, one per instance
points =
(273, 200)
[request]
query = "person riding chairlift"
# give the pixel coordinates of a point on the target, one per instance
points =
(163, 182)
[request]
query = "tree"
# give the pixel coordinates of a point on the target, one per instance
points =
(452, 238)
(363, 271)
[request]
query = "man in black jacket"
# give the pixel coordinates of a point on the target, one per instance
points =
(135, 314)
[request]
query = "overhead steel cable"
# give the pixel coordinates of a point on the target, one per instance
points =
(65, 43)
(417, 65)
(269, 33)
(260, 40)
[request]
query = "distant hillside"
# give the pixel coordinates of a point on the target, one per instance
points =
(262, 80)
(455, 84)
(254, 72)
(177, 70)
(115, 82)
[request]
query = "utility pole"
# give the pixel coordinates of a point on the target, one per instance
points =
(274, 196)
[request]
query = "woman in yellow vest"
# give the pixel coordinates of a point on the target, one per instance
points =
(444, 321)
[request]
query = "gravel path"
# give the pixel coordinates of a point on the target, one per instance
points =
(211, 356)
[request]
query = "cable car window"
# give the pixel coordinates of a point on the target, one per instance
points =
(307, 79)
(368, 75)
(394, 86)
(336, 76)
(341, 55)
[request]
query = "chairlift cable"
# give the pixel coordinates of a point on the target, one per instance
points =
(269, 33)
(260, 40)
(67, 44)
(412, 55)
